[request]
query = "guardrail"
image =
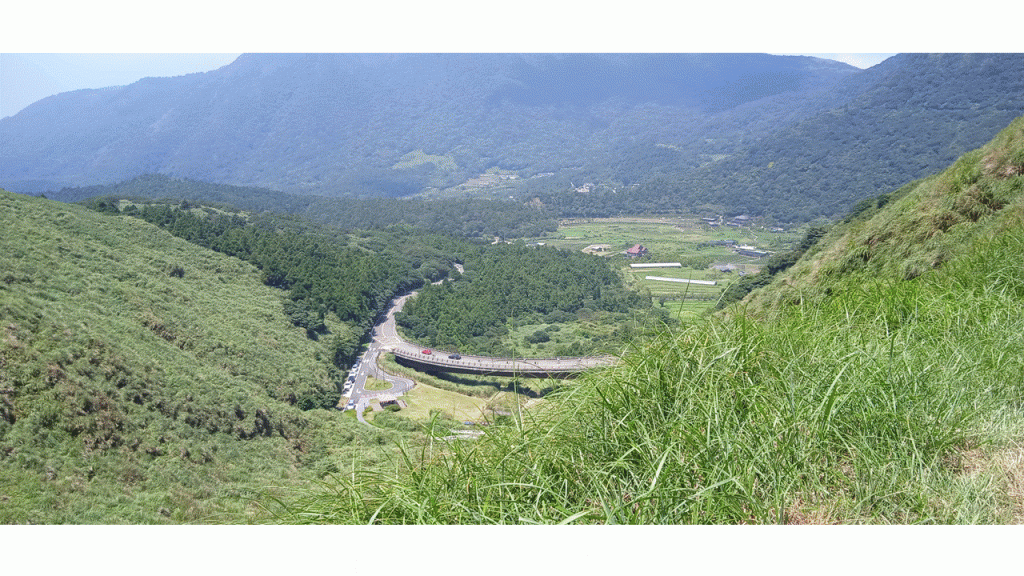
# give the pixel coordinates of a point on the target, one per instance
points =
(526, 367)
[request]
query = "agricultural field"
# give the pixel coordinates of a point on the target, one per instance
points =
(688, 241)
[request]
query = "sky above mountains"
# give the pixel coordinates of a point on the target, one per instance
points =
(100, 44)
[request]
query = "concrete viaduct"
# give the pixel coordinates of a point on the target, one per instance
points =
(509, 367)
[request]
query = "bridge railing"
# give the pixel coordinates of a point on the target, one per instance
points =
(484, 363)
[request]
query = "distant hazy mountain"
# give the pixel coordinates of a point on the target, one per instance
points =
(901, 120)
(791, 137)
(353, 123)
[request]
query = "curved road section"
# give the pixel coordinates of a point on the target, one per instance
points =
(385, 338)
(386, 333)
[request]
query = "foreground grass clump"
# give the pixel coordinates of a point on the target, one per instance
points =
(892, 401)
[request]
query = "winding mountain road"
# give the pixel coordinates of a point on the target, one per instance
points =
(385, 338)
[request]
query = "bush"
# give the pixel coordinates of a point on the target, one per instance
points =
(538, 337)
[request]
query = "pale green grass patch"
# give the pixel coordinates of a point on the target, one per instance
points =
(425, 399)
(445, 163)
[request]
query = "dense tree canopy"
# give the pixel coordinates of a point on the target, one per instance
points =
(472, 217)
(509, 281)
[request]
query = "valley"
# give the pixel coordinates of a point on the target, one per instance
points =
(461, 289)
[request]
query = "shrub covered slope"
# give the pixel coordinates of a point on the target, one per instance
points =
(144, 379)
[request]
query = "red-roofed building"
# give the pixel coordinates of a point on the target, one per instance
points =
(636, 251)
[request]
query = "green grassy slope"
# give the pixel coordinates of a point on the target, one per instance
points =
(891, 392)
(917, 228)
(144, 379)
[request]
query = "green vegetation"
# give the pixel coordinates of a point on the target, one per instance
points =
(871, 398)
(471, 217)
(351, 277)
(505, 284)
(913, 230)
(472, 385)
(320, 275)
(375, 384)
(144, 379)
(692, 243)
(424, 401)
(876, 378)
(790, 138)
(445, 163)
(909, 117)
(774, 265)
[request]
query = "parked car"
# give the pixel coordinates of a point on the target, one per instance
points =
(427, 352)
(455, 356)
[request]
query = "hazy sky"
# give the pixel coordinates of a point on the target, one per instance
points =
(111, 43)
(26, 78)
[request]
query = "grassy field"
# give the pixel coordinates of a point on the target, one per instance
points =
(417, 157)
(424, 400)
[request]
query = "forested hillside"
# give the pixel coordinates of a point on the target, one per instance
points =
(385, 124)
(474, 217)
(791, 138)
(510, 283)
(903, 119)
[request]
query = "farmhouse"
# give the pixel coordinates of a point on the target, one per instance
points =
(750, 251)
(636, 251)
(594, 248)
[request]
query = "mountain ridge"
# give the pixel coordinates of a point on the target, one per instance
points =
(792, 138)
(411, 98)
